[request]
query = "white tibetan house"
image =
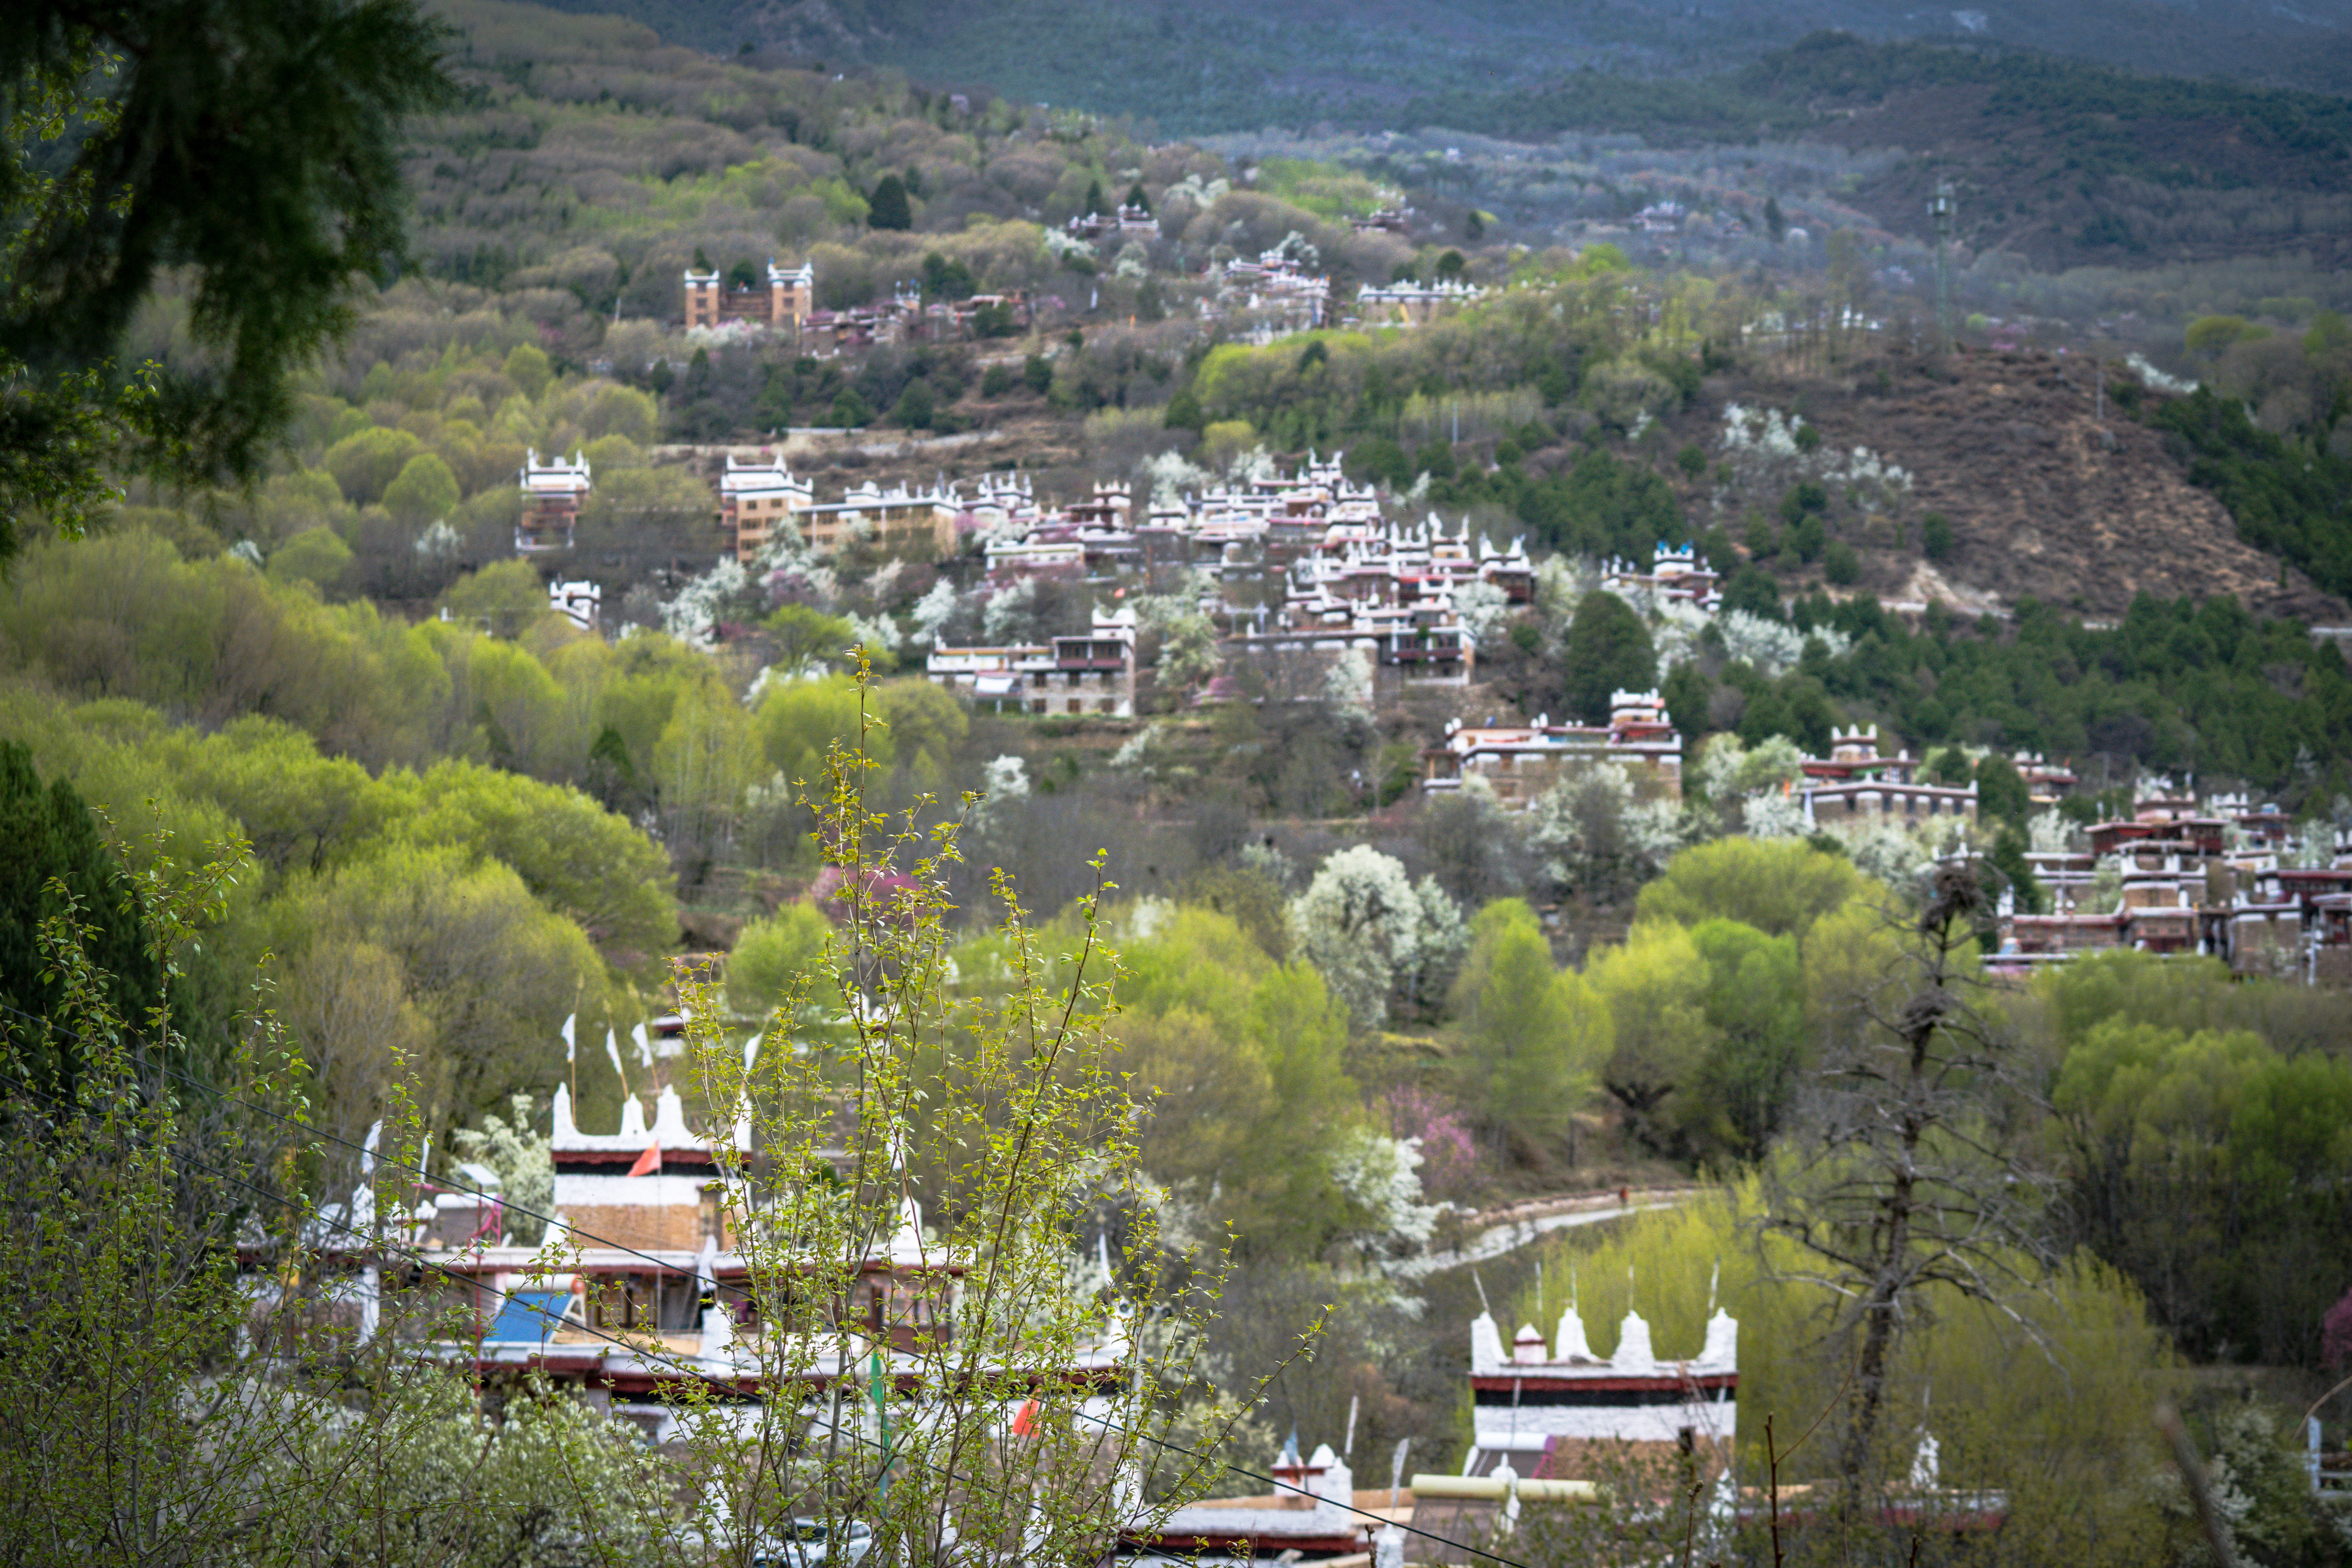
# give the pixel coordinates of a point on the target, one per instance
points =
(1538, 1406)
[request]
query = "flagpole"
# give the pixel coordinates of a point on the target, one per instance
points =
(612, 1049)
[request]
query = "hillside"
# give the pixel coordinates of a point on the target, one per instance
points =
(2060, 162)
(1226, 66)
(2045, 499)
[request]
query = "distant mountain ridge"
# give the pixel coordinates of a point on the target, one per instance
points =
(1223, 65)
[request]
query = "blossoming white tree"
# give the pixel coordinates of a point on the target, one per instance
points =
(1372, 930)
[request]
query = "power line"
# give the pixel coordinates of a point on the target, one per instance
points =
(314, 1211)
(759, 1396)
(419, 1171)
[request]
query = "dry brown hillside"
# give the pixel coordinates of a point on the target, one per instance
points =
(2044, 497)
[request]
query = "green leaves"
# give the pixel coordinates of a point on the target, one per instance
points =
(1608, 651)
(304, 99)
(1535, 1036)
(962, 1114)
(2206, 1163)
(1778, 886)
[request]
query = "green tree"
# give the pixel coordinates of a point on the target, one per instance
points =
(1807, 537)
(924, 725)
(946, 279)
(2209, 337)
(1136, 197)
(594, 868)
(365, 464)
(806, 639)
(1535, 1036)
(53, 866)
(1936, 536)
(2001, 791)
(1755, 998)
(489, 970)
(611, 775)
(1948, 766)
(527, 366)
(120, 122)
(1655, 988)
(425, 491)
(1608, 651)
(707, 757)
(917, 405)
(1213, 1092)
(1778, 886)
(299, 810)
(797, 722)
(508, 710)
(887, 207)
(315, 555)
(505, 598)
(1248, 1054)
(2007, 858)
(776, 959)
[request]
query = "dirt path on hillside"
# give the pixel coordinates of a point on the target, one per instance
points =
(1497, 1231)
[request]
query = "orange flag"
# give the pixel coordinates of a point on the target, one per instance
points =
(649, 1162)
(1026, 1422)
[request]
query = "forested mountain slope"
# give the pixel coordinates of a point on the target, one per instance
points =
(2063, 161)
(1224, 65)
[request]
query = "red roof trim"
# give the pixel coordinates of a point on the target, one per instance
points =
(1606, 1383)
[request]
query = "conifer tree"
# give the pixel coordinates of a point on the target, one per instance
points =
(48, 840)
(252, 147)
(887, 207)
(1609, 650)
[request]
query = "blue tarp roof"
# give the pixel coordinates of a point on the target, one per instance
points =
(529, 1317)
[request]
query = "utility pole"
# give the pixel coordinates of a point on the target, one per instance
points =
(1939, 210)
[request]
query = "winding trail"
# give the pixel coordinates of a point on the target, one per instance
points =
(1507, 1230)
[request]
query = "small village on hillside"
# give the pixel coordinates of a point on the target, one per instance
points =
(1315, 587)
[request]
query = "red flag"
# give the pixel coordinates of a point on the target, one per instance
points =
(649, 1162)
(1026, 1422)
